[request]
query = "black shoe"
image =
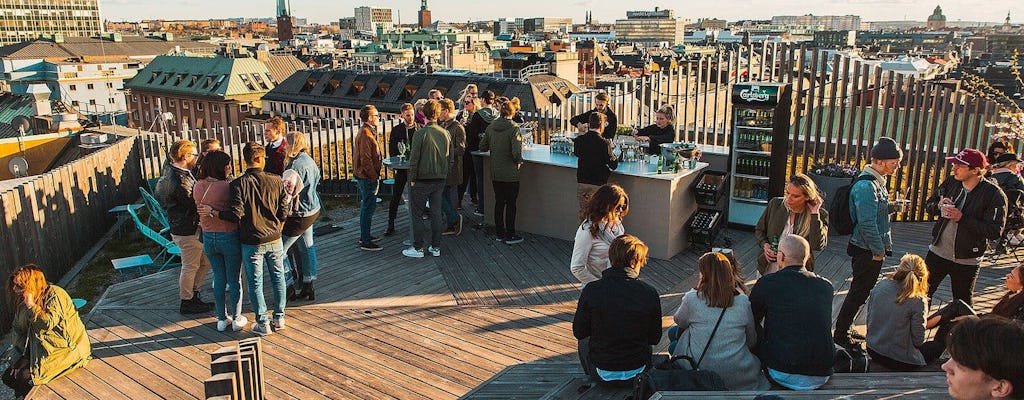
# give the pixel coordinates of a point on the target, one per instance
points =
(199, 300)
(513, 239)
(307, 291)
(390, 231)
(190, 307)
(370, 246)
(290, 293)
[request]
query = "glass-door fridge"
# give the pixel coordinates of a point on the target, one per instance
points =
(760, 148)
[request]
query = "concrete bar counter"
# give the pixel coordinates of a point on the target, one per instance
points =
(659, 204)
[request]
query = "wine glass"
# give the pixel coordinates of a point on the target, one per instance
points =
(402, 149)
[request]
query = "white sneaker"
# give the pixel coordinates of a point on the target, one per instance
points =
(1015, 240)
(277, 324)
(223, 324)
(413, 252)
(407, 242)
(434, 251)
(261, 329)
(239, 323)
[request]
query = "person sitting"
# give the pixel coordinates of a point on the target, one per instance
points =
(1010, 306)
(618, 317)
(794, 308)
(47, 331)
(798, 212)
(896, 318)
(717, 327)
(602, 224)
(985, 360)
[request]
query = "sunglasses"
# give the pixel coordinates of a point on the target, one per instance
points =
(621, 208)
(721, 250)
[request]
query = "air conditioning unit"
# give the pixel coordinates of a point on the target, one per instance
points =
(94, 138)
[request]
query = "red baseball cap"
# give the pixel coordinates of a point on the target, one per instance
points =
(969, 157)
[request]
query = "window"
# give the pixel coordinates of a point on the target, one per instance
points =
(243, 107)
(382, 90)
(357, 87)
(135, 115)
(184, 105)
(332, 86)
(216, 108)
(305, 88)
(409, 92)
(110, 85)
(72, 87)
(92, 102)
(171, 103)
(148, 119)
(145, 99)
(74, 103)
(111, 100)
(135, 97)
(199, 106)
(90, 86)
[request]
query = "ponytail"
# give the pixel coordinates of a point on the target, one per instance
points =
(912, 277)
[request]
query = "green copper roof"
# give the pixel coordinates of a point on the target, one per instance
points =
(204, 76)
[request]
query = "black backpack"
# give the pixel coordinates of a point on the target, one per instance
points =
(839, 219)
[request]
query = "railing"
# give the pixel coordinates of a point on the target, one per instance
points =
(54, 218)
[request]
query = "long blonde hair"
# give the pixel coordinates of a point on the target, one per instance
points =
(802, 224)
(29, 278)
(298, 142)
(912, 277)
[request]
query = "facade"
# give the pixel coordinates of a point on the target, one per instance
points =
(423, 16)
(547, 25)
(369, 19)
(835, 39)
(506, 26)
(827, 22)
(650, 28)
(22, 20)
(203, 92)
(936, 21)
(1001, 45)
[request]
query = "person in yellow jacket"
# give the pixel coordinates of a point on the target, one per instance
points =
(47, 331)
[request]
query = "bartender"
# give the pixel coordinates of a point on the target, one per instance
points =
(581, 121)
(661, 132)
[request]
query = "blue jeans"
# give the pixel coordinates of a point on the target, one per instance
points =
(306, 262)
(451, 215)
(254, 257)
(367, 205)
(225, 255)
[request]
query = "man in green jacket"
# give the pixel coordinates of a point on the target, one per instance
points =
(430, 157)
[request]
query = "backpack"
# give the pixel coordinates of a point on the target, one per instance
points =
(849, 360)
(839, 218)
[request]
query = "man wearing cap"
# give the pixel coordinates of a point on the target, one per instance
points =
(871, 239)
(972, 211)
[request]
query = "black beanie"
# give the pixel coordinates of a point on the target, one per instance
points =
(886, 149)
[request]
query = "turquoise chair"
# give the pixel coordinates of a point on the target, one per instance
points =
(169, 250)
(155, 211)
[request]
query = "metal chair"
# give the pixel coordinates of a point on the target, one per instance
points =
(155, 211)
(169, 250)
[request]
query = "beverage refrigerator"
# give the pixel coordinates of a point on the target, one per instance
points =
(760, 148)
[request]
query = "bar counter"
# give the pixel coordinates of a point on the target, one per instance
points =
(659, 204)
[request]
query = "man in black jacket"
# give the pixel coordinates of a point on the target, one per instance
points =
(601, 106)
(618, 317)
(259, 206)
(595, 160)
(972, 211)
(793, 312)
(174, 192)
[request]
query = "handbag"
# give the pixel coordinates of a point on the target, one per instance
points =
(668, 376)
(850, 359)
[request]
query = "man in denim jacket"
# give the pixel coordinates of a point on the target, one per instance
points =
(871, 240)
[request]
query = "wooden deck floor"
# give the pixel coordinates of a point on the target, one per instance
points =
(484, 320)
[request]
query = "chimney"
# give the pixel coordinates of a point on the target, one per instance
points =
(41, 94)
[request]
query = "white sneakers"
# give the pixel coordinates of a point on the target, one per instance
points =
(419, 253)
(236, 325)
(434, 251)
(223, 324)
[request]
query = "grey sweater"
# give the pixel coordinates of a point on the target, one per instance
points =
(895, 330)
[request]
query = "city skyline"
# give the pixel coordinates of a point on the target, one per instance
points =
(326, 11)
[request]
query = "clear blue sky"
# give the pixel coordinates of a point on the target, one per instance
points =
(324, 11)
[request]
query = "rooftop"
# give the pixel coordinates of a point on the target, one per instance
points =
(208, 76)
(131, 46)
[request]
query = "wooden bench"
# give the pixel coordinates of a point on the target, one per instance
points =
(872, 385)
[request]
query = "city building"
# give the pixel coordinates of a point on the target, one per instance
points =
(936, 21)
(285, 28)
(902, 43)
(651, 28)
(505, 26)
(204, 92)
(827, 22)
(370, 19)
(835, 39)
(88, 73)
(712, 24)
(1002, 45)
(423, 16)
(547, 25)
(22, 20)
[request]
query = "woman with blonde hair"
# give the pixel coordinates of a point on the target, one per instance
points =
(716, 326)
(305, 211)
(798, 212)
(660, 132)
(47, 331)
(896, 322)
(601, 224)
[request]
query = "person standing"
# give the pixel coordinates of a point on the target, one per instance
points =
(472, 144)
(798, 212)
(602, 223)
(400, 133)
(277, 146)
(174, 192)
(259, 205)
(971, 211)
(478, 123)
(618, 318)
(298, 228)
(793, 308)
(595, 159)
(660, 132)
(871, 239)
(366, 163)
(220, 240)
(430, 158)
(503, 140)
(458, 137)
(601, 106)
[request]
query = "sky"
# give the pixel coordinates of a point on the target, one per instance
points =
(605, 11)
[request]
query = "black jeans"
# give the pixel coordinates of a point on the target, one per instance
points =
(865, 274)
(505, 195)
(583, 350)
(961, 277)
(468, 179)
(401, 178)
(19, 379)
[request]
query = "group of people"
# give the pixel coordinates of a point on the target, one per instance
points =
(224, 223)
(780, 330)
(437, 134)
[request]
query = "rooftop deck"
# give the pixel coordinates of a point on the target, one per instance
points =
(484, 320)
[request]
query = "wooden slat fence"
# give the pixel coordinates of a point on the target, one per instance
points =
(52, 219)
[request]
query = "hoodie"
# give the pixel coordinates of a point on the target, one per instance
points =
(477, 125)
(503, 140)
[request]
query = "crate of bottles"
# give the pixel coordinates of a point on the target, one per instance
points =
(704, 226)
(710, 187)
